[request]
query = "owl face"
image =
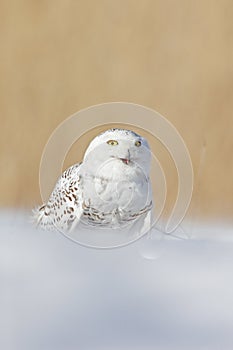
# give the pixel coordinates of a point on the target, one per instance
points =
(119, 148)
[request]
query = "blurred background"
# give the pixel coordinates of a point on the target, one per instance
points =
(58, 57)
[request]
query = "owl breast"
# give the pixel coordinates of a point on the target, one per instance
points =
(115, 203)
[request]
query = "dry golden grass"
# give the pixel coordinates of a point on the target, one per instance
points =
(173, 56)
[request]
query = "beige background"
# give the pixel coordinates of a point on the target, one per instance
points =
(173, 56)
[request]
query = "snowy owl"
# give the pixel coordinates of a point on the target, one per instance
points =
(110, 188)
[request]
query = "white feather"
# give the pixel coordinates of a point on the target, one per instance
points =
(111, 188)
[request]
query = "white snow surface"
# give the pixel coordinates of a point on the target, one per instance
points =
(58, 295)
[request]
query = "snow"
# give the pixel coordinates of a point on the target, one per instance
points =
(57, 294)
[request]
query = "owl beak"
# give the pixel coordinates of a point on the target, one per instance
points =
(125, 160)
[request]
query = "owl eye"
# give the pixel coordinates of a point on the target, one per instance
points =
(112, 142)
(138, 143)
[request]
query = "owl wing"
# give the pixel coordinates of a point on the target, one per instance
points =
(64, 207)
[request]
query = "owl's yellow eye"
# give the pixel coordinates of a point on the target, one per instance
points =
(112, 142)
(138, 143)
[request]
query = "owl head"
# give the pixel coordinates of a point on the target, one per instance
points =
(119, 149)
